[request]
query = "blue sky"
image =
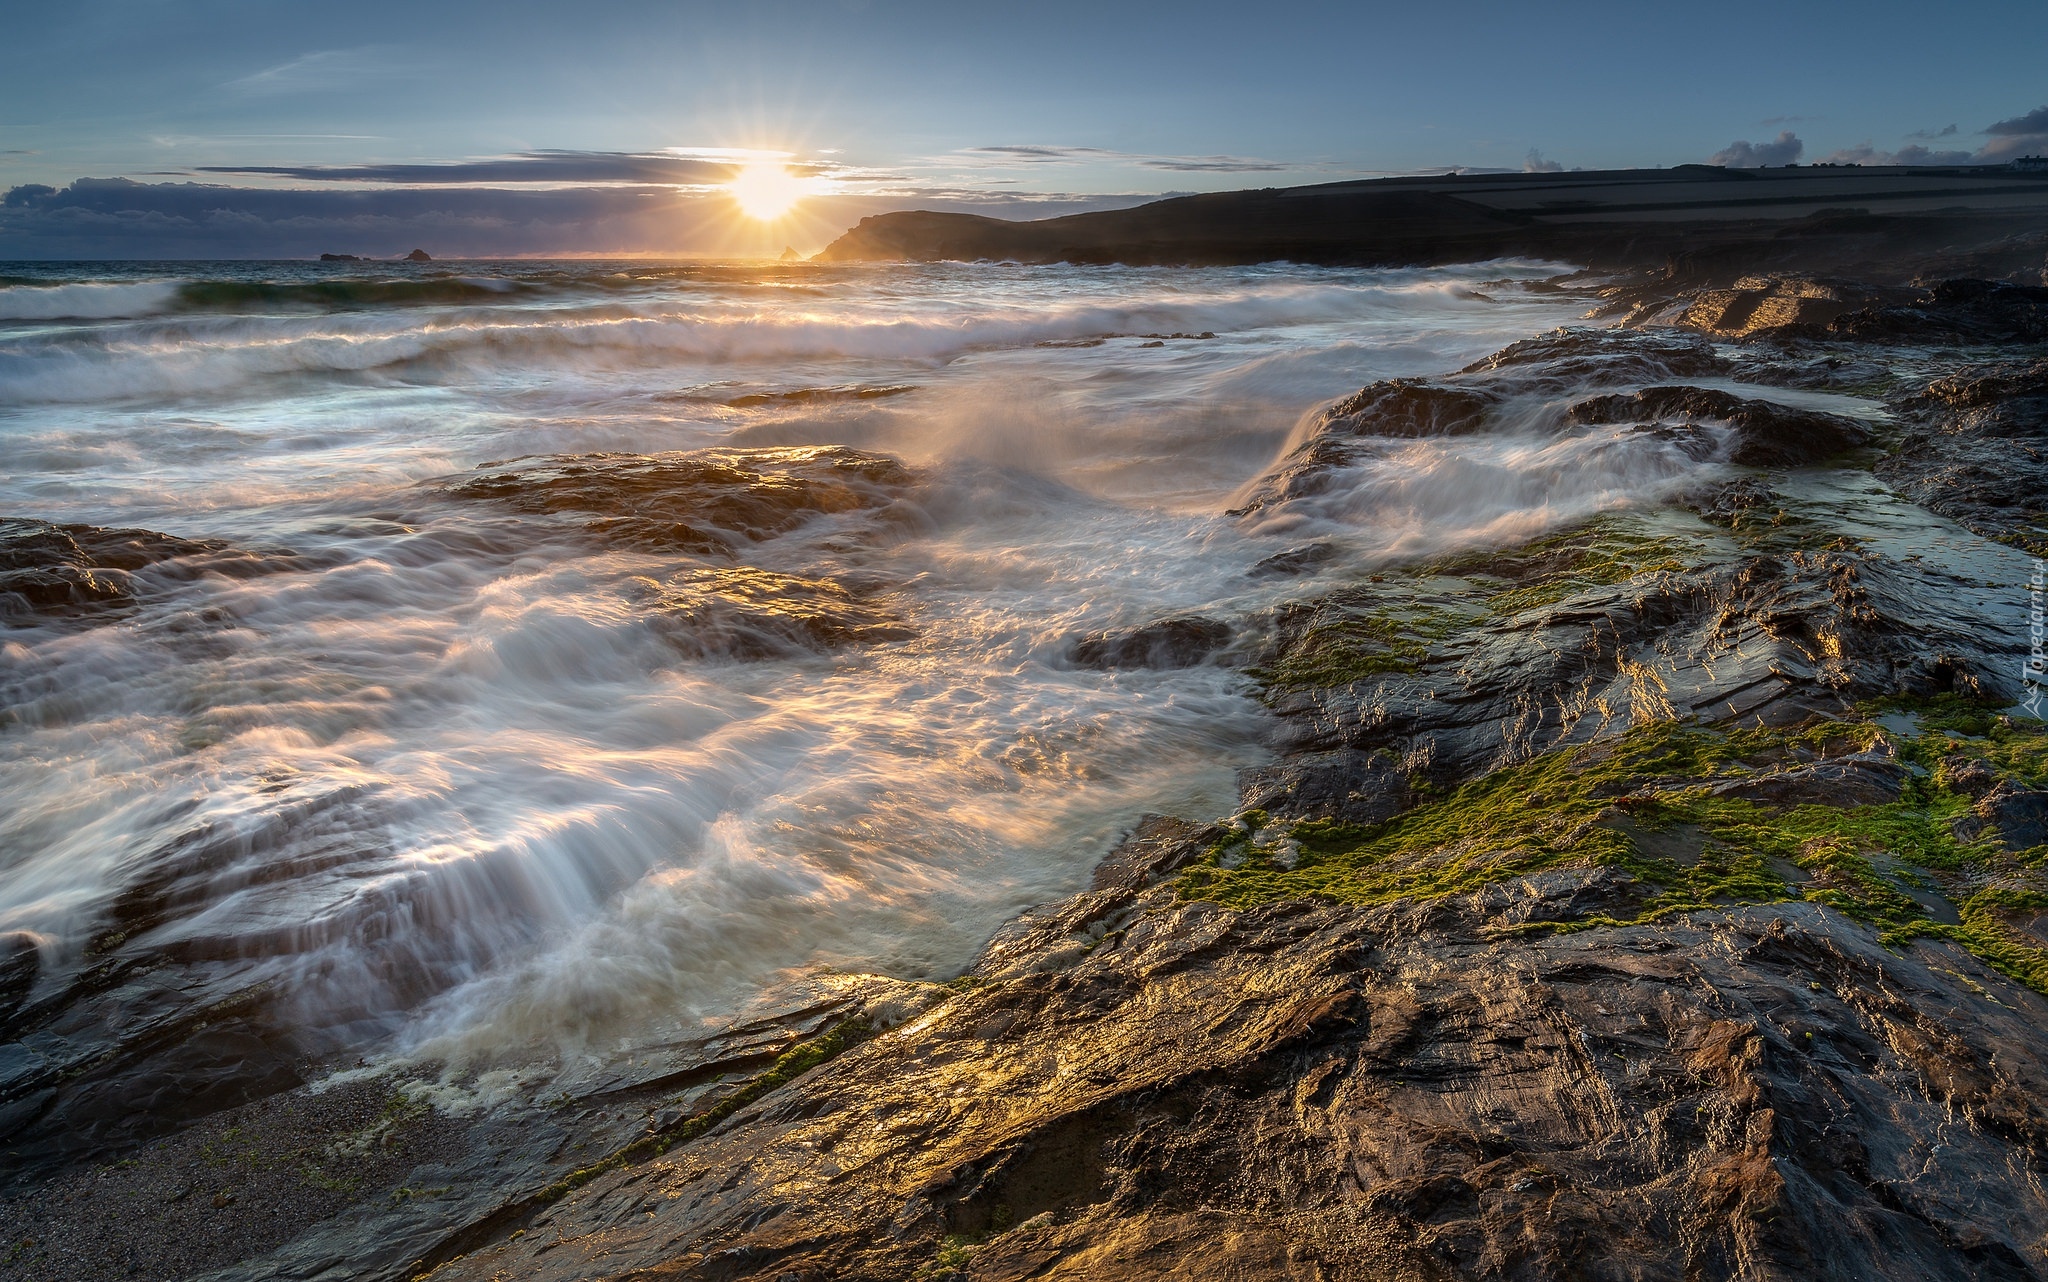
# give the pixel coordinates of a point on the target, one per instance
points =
(609, 119)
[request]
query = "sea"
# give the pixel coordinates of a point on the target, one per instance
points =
(526, 688)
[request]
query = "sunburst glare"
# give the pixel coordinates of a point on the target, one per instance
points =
(767, 190)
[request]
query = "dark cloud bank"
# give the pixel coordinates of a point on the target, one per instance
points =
(117, 218)
(2023, 135)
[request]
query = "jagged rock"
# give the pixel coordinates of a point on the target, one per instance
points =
(20, 963)
(1767, 638)
(73, 570)
(1160, 844)
(1137, 1089)
(1955, 311)
(709, 502)
(1766, 304)
(1976, 448)
(1409, 407)
(1169, 643)
(1737, 502)
(1863, 780)
(1585, 357)
(1766, 434)
(1293, 561)
(1345, 784)
(2016, 816)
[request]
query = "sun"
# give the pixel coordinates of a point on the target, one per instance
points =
(767, 190)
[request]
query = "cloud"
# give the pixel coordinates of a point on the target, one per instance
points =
(1783, 150)
(114, 218)
(692, 167)
(1037, 155)
(1046, 154)
(326, 71)
(2020, 136)
(1948, 131)
(1770, 122)
(1534, 163)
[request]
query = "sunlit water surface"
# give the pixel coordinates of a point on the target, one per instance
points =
(444, 789)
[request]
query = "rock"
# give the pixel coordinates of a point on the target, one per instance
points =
(418, 256)
(1160, 844)
(1739, 502)
(1955, 311)
(1861, 780)
(75, 570)
(1975, 448)
(789, 255)
(1774, 304)
(1766, 434)
(1169, 643)
(1572, 358)
(1293, 561)
(20, 963)
(1970, 776)
(2017, 816)
(1303, 1091)
(340, 258)
(1347, 785)
(1409, 407)
(1768, 637)
(709, 502)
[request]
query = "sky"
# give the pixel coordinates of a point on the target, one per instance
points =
(238, 128)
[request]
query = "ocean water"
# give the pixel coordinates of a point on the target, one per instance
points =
(408, 766)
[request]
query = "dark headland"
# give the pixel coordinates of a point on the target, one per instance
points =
(1874, 222)
(1666, 899)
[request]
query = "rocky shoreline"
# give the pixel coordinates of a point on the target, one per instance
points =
(1660, 898)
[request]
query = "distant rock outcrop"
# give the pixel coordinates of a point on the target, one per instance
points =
(419, 256)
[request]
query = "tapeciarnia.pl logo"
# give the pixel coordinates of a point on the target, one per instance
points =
(2036, 673)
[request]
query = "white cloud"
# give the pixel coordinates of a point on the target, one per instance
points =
(1785, 149)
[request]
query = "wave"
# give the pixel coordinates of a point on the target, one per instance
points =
(200, 355)
(86, 300)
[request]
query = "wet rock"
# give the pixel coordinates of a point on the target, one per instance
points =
(1955, 311)
(742, 612)
(1767, 638)
(1409, 407)
(1861, 780)
(1970, 776)
(20, 963)
(1169, 643)
(1293, 561)
(1138, 1089)
(2017, 816)
(1737, 503)
(1766, 434)
(1758, 305)
(1833, 372)
(1160, 844)
(1975, 448)
(1347, 785)
(708, 502)
(74, 570)
(1583, 357)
